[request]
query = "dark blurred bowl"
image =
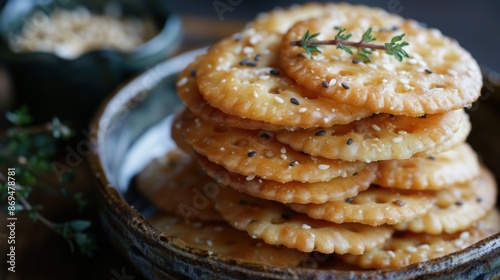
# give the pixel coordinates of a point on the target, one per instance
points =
(132, 128)
(73, 88)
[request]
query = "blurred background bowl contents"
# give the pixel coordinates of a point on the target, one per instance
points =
(71, 33)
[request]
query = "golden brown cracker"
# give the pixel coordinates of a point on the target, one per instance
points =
(379, 137)
(458, 207)
(257, 153)
(292, 192)
(188, 92)
(277, 224)
(455, 166)
(440, 76)
(281, 19)
(223, 239)
(176, 184)
(406, 248)
(375, 206)
(242, 77)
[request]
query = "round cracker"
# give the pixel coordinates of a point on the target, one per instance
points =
(455, 166)
(231, 79)
(440, 76)
(292, 192)
(407, 248)
(458, 137)
(176, 184)
(188, 92)
(225, 240)
(280, 20)
(457, 207)
(375, 206)
(257, 153)
(277, 224)
(380, 137)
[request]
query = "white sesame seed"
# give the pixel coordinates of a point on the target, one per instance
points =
(250, 177)
(391, 254)
(425, 247)
(332, 82)
(302, 110)
(439, 249)
(397, 139)
(402, 132)
(222, 149)
(248, 50)
(406, 87)
(255, 94)
(452, 72)
(323, 166)
(279, 99)
(464, 235)
(265, 51)
(384, 81)
(376, 127)
(306, 226)
(283, 156)
(283, 150)
(210, 243)
(223, 81)
(411, 249)
(254, 39)
(182, 81)
(237, 49)
(334, 57)
(235, 88)
(404, 80)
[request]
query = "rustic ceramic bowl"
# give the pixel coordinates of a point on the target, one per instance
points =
(132, 127)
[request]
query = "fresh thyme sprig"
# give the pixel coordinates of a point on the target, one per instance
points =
(364, 46)
(30, 148)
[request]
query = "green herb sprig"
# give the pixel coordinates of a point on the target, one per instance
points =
(364, 47)
(30, 149)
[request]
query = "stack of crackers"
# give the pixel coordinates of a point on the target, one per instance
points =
(365, 161)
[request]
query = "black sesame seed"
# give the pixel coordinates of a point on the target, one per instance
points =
(336, 27)
(349, 200)
(265, 136)
(243, 202)
(344, 86)
(395, 28)
(355, 174)
(459, 203)
(293, 163)
(431, 158)
(392, 116)
(325, 84)
(479, 199)
(349, 141)
(320, 133)
(256, 57)
(286, 216)
(423, 116)
(274, 72)
(356, 61)
(243, 61)
(294, 100)
(192, 72)
(428, 71)
(251, 64)
(252, 153)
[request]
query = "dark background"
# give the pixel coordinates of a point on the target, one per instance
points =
(475, 24)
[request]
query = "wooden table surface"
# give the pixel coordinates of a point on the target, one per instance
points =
(41, 254)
